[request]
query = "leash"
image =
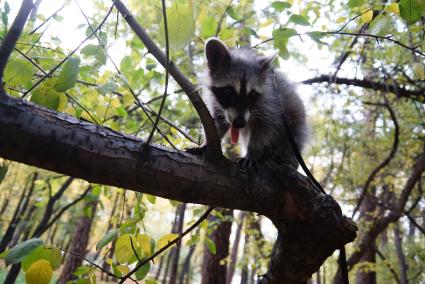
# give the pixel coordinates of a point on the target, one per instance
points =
(342, 259)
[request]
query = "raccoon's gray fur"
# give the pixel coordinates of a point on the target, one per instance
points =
(242, 90)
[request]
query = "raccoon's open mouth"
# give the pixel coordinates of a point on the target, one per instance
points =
(234, 134)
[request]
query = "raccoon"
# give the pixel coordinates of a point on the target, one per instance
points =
(251, 101)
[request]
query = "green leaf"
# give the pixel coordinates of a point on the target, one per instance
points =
(181, 25)
(51, 254)
(90, 50)
(68, 75)
(107, 238)
(284, 33)
(316, 37)
(143, 271)
(208, 27)
(381, 25)
(211, 245)
(232, 13)
(144, 243)
(411, 10)
(48, 97)
(299, 20)
(18, 72)
(150, 198)
(108, 87)
(18, 252)
(280, 43)
(279, 6)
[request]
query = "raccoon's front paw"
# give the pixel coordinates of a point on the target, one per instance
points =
(199, 151)
(248, 164)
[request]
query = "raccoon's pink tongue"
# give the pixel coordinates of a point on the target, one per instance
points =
(234, 134)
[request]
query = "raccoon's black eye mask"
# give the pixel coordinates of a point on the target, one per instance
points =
(228, 97)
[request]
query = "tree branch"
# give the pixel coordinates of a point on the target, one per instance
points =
(214, 146)
(418, 94)
(306, 219)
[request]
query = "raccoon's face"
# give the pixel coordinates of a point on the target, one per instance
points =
(235, 79)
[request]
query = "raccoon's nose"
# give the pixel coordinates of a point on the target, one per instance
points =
(239, 122)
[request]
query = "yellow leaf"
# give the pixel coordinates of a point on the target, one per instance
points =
(123, 269)
(123, 249)
(341, 20)
(144, 242)
(162, 242)
(367, 17)
(394, 8)
(40, 272)
(419, 71)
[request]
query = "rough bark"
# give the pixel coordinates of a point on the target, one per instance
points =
(44, 138)
(213, 270)
(78, 245)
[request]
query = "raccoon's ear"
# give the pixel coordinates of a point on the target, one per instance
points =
(266, 61)
(217, 53)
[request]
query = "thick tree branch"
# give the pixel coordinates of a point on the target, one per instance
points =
(305, 218)
(418, 94)
(214, 147)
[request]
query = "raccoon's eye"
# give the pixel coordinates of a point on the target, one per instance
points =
(225, 95)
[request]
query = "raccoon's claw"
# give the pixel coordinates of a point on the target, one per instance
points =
(248, 164)
(199, 151)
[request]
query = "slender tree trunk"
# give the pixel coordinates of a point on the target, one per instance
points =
(244, 270)
(186, 266)
(400, 255)
(167, 266)
(78, 244)
(16, 216)
(176, 255)
(24, 227)
(234, 253)
(367, 277)
(212, 270)
(158, 272)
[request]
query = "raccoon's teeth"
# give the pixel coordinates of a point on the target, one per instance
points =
(234, 134)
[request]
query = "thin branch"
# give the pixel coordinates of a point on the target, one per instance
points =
(388, 265)
(385, 162)
(47, 20)
(167, 62)
(387, 38)
(175, 241)
(220, 22)
(418, 95)
(413, 221)
(213, 140)
(12, 36)
(70, 54)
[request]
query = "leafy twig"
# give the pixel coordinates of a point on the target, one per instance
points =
(70, 54)
(175, 241)
(12, 36)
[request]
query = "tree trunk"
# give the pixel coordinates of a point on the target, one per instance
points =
(78, 244)
(186, 266)
(181, 208)
(212, 270)
(17, 216)
(234, 253)
(400, 255)
(366, 210)
(245, 257)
